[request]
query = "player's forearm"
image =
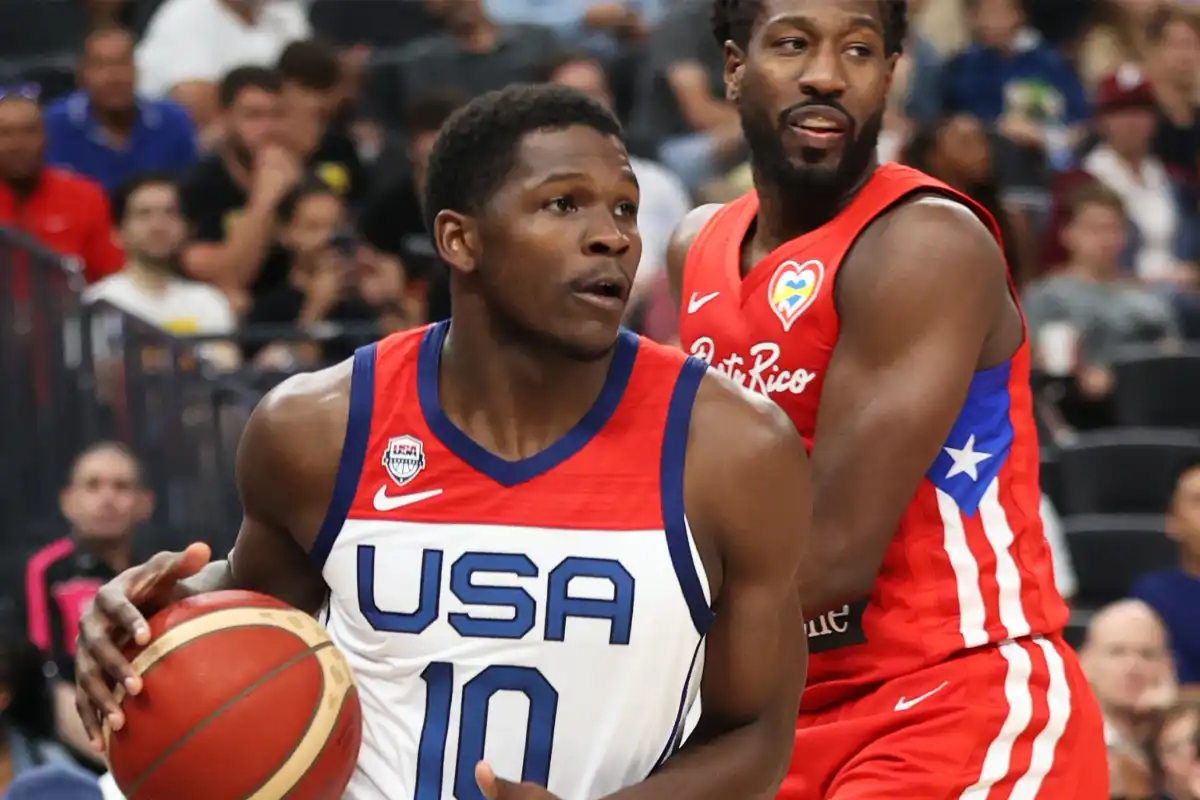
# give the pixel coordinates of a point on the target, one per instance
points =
(747, 763)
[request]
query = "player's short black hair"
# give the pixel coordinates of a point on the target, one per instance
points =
(132, 185)
(310, 64)
(310, 186)
(238, 80)
(476, 148)
(734, 20)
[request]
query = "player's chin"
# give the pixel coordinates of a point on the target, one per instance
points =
(590, 340)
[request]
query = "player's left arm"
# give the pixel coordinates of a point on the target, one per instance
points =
(748, 498)
(918, 303)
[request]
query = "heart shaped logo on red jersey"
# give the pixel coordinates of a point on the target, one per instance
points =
(793, 288)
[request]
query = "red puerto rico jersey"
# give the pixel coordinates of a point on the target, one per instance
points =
(969, 564)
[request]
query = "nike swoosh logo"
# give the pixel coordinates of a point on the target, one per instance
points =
(904, 705)
(696, 302)
(386, 502)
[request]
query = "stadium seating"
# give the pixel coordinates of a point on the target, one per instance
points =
(1122, 471)
(1110, 551)
(1157, 390)
(378, 23)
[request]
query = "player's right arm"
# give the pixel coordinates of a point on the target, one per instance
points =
(681, 242)
(286, 467)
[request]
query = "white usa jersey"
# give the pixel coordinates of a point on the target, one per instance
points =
(546, 615)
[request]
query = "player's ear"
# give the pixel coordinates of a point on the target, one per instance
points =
(456, 239)
(735, 61)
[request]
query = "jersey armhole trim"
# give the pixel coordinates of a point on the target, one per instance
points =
(354, 452)
(674, 454)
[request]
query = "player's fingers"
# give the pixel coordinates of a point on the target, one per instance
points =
(187, 563)
(94, 698)
(97, 645)
(158, 576)
(113, 616)
(89, 715)
(486, 778)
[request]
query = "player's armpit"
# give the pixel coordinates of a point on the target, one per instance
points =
(919, 301)
(681, 241)
(748, 503)
(286, 467)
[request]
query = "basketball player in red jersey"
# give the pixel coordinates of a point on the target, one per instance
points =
(881, 295)
(533, 383)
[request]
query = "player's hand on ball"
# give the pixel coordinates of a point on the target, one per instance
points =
(494, 788)
(116, 617)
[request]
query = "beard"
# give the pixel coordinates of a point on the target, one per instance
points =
(812, 183)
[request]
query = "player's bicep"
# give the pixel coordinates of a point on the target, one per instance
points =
(752, 490)
(681, 242)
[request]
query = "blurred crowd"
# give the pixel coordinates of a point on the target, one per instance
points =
(249, 171)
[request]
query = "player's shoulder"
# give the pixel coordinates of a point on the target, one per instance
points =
(736, 423)
(931, 218)
(305, 401)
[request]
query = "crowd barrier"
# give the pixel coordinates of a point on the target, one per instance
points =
(75, 373)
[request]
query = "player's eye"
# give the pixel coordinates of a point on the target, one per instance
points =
(562, 205)
(792, 44)
(859, 50)
(627, 209)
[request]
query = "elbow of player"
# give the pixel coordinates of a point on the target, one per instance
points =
(775, 753)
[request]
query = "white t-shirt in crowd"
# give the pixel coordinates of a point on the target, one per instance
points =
(182, 307)
(202, 40)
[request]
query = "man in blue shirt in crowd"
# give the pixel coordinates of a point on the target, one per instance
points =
(1175, 593)
(106, 133)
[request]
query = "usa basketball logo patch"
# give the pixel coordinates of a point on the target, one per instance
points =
(403, 458)
(793, 288)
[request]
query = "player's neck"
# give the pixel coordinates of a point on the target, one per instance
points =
(786, 212)
(514, 399)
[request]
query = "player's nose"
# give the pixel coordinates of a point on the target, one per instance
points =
(824, 74)
(606, 239)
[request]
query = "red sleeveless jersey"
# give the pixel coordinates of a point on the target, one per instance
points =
(969, 564)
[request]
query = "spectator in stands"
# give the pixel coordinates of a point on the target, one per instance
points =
(67, 213)
(105, 132)
(915, 98)
(323, 281)
(1125, 658)
(392, 219)
(664, 200)
(54, 783)
(153, 232)
(190, 45)
(1080, 316)
(599, 27)
(1013, 80)
(1175, 753)
(230, 197)
(104, 501)
(680, 114)
(1175, 594)
(1116, 36)
(26, 711)
(1175, 67)
(311, 75)
(474, 55)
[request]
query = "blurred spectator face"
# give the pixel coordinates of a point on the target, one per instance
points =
(962, 155)
(995, 22)
(255, 119)
(1183, 518)
(1125, 655)
(1179, 53)
(1096, 236)
(105, 499)
(1176, 746)
(586, 76)
(305, 113)
(22, 140)
(803, 134)
(106, 71)
(312, 226)
(1128, 131)
(153, 230)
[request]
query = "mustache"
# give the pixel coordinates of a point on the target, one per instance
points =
(823, 100)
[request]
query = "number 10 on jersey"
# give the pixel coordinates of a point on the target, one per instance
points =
(477, 695)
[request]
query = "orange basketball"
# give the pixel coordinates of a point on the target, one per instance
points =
(244, 698)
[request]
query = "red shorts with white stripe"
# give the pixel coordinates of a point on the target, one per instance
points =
(1015, 721)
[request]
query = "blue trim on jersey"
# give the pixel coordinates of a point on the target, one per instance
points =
(674, 451)
(502, 471)
(354, 452)
(675, 740)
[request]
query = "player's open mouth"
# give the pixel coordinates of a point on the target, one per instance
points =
(819, 125)
(607, 293)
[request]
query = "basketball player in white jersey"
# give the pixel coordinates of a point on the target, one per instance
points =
(494, 510)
